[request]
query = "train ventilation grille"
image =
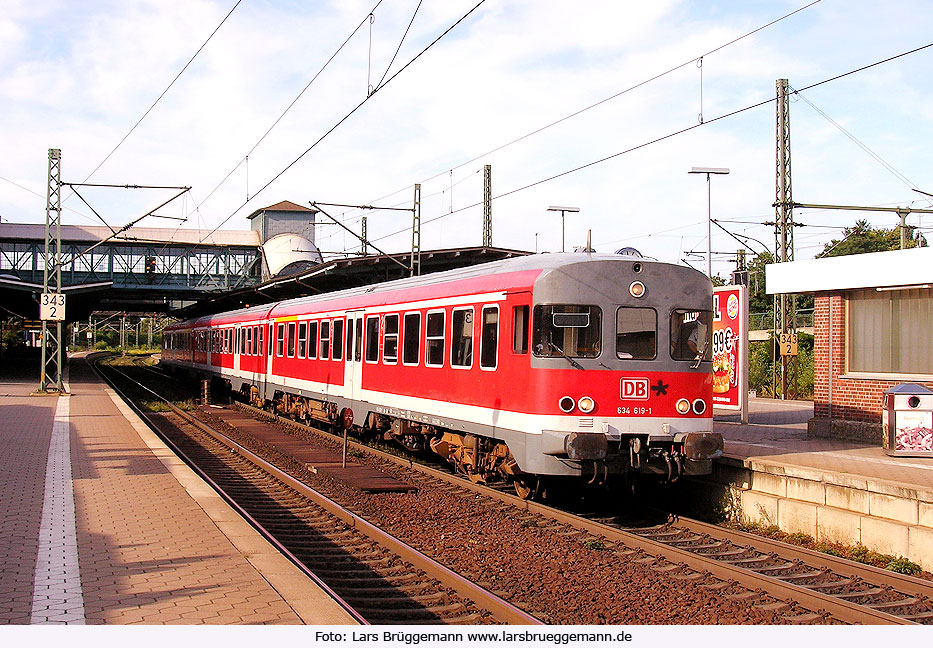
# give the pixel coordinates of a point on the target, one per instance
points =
(586, 423)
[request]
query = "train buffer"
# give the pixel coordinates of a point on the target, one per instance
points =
(318, 460)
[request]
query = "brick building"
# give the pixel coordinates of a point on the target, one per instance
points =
(873, 329)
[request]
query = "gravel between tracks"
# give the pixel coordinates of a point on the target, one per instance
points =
(549, 570)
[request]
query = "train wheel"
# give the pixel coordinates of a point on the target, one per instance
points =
(527, 487)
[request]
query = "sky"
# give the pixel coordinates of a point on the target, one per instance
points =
(312, 101)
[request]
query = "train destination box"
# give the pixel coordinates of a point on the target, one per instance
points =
(908, 421)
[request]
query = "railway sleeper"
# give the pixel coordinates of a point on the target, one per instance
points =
(890, 605)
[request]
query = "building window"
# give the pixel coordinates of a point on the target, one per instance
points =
(434, 339)
(461, 338)
(636, 333)
(390, 340)
(489, 338)
(889, 331)
(411, 349)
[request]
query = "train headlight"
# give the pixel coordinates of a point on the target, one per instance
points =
(637, 289)
(586, 404)
(566, 404)
(683, 406)
(699, 406)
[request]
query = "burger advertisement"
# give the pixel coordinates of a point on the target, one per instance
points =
(727, 345)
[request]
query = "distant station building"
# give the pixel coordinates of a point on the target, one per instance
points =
(873, 329)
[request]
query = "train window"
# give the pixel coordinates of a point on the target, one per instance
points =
(249, 340)
(312, 340)
(260, 329)
(358, 342)
(691, 334)
(242, 341)
(338, 339)
(461, 338)
(434, 339)
(236, 340)
(349, 338)
(302, 339)
(520, 329)
(390, 340)
(636, 333)
(280, 340)
(290, 346)
(489, 338)
(372, 339)
(325, 339)
(271, 338)
(411, 349)
(567, 330)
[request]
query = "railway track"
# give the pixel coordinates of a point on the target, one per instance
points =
(799, 585)
(376, 577)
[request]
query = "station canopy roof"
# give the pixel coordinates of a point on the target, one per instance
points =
(338, 274)
(910, 267)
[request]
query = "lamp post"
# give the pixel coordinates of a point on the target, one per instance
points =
(709, 218)
(562, 211)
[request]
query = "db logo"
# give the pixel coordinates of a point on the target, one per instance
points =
(635, 389)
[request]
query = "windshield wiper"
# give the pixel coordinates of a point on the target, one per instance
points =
(572, 362)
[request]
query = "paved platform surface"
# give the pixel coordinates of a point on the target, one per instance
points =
(777, 431)
(101, 524)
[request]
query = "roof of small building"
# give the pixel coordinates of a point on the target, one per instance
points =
(910, 267)
(285, 205)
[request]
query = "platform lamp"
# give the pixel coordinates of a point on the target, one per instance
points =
(562, 210)
(709, 218)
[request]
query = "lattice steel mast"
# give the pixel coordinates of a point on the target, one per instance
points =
(51, 369)
(785, 322)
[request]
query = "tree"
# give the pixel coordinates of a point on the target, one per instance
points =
(862, 238)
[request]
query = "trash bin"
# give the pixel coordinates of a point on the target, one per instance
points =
(908, 421)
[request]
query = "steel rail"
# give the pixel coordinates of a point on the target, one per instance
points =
(223, 495)
(500, 608)
(815, 601)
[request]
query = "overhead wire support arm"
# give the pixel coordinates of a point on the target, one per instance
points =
(363, 240)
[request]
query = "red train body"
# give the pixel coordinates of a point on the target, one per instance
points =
(591, 366)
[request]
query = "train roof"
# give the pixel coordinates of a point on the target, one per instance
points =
(510, 273)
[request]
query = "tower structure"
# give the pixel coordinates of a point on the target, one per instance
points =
(784, 371)
(51, 370)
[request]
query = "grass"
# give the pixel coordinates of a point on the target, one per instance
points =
(857, 553)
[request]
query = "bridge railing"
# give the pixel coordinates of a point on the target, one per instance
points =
(765, 321)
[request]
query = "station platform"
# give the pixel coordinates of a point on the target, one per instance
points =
(101, 524)
(772, 473)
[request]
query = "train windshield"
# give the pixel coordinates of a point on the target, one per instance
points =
(691, 334)
(567, 330)
(636, 333)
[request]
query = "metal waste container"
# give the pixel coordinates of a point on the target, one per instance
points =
(908, 421)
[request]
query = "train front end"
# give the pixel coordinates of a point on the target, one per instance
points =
(621, 371)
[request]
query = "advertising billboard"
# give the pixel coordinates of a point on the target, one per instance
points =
(730, 348)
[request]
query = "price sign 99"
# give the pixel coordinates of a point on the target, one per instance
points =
(722, 341)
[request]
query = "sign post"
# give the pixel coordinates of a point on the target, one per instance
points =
(730, 349)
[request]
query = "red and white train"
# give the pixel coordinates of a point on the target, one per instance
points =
(578, 365)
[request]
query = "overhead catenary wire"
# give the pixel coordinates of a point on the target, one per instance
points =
(596, 104)
(662, 138)
(351, 113)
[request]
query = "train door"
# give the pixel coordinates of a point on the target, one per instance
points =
(353, 362)
(236, 348)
